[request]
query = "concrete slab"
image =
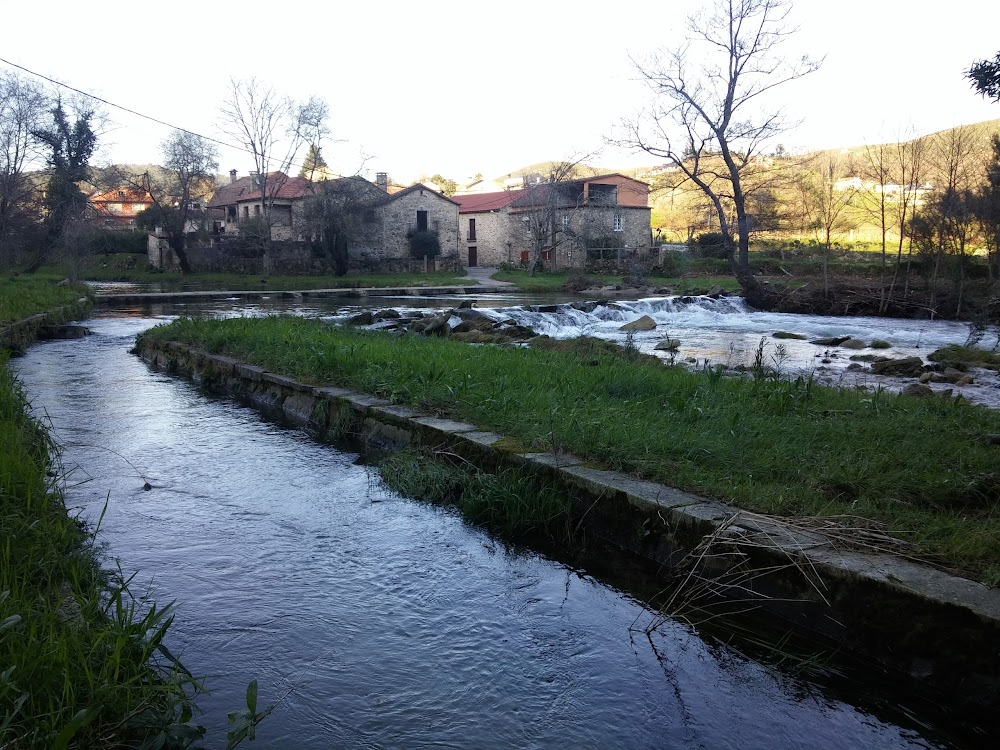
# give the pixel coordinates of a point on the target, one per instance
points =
(445, 425)
(479, 437)
(402, 412)
(554, 460)
(333, 392)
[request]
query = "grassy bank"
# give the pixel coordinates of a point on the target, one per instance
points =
(135, 269)
(921, 468)
(27, 295)
(80, 659)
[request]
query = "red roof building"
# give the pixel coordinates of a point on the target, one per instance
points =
(117, 208)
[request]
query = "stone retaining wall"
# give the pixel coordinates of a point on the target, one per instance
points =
(936, 628)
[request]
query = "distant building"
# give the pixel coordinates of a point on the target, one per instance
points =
(117, 209)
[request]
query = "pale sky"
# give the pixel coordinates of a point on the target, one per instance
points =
(464, 87)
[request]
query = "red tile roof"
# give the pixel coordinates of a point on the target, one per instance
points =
(279, 186)
(485, 201)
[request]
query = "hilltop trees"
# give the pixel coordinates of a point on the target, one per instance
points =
(705, 108)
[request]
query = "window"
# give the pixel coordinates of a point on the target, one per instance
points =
(421, 221)
(472, 229)
(618, 222)
(565, 222)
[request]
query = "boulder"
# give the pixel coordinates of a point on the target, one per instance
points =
(854, 344)
(473, 320)
(388, 314)
(830, 341)
(645, 323)
(911, 367)
(517, 333)
(437, 325)
(361, 319)
(715, 292)
(917, 390)
(466, 304)
(668, 345)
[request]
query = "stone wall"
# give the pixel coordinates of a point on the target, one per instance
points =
(942, 629)
(399, 218)
(286, 259)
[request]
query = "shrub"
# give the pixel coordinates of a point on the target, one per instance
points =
(424, 243)
(712, 245)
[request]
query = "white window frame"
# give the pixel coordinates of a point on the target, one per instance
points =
(618, 222)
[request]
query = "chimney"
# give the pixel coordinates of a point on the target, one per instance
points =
(382, 180)
(232, 176)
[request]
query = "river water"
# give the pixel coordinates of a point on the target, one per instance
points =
(377, 621)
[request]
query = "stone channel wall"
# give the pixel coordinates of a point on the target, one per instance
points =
(920, 622)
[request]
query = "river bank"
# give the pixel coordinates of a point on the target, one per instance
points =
(81, 659)
(652, 519)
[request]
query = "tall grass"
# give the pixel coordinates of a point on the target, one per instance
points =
(24, 296)
(922, 468)
(82, 661)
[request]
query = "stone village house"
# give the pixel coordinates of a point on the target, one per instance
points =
(590, 218)
(587, 220)
(382, 241)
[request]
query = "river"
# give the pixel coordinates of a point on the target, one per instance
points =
(377, 621)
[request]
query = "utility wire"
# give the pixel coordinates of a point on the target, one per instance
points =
(132, 111)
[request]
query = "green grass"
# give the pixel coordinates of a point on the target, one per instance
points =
(26, 295)
(549, 281)
(133, 268)
(80, 658)
(918, 467)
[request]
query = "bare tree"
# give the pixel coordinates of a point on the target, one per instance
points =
(708, 112)
(272, 128)
(542, 200)
(190, 164)
(22, 107)
(825, 202)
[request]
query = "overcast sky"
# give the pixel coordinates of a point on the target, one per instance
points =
(463, 87)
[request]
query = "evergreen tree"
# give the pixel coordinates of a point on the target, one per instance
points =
(314, 162)
(985, 77)
(70, 146)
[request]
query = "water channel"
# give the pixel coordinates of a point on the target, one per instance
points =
(377, 621)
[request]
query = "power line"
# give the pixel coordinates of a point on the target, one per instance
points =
(132, 111)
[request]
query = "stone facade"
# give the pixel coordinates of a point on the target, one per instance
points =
(592, 217)
(383, 221)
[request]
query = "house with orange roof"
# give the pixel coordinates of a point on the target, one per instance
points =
(117, 209)
(574, 219)
(386, 218)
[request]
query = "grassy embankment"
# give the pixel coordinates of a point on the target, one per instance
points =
(24, 296)
(129, 267)
(79, 659)
(920, 468)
